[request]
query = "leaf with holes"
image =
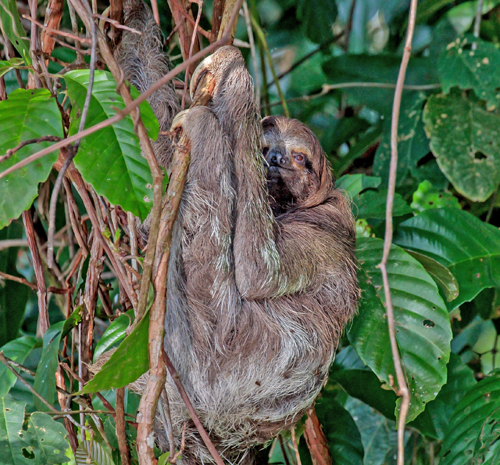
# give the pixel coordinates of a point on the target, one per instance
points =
(12, 443)
(413, 144)
(423, 331)
(474, 427)
(47, 439)
(111, 158)
(465, 245)
(465, 138)
(11, 25)
(27, 114)
(478, 69)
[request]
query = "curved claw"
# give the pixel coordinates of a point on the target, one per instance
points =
(202, 69)
(202, 83)
(178, 121)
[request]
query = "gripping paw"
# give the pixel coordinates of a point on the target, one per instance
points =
(178, 121)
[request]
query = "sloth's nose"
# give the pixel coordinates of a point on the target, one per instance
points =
(276, 158)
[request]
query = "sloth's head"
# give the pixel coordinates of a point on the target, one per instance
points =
(298, 174)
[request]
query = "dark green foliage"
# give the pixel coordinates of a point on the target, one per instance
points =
(338, 76)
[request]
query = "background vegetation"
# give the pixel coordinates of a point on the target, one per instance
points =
(333, 65)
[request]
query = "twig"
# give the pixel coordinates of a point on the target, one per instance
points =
(295, 447)
(477, 19)
(37, 140)
(491, 208)
(348, 85)
(5, 361)
(316, 440)
(19, 280)
(191, 410)
(183, 444)
(193, 38)
(228, 26)
(283, 449)
(248, 23)
(43, 311)
(191, 20)
(71, 153)
(216, 18)
(156, 14)
(262, 39)
(402, 389)
(117, 25)
(121, 433)
(53, 15)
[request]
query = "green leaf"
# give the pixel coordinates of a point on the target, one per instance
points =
(353, 184)
(462, 66)
(45, 378)
(6, 66)
(469, 248)
(442, 275)
(378, 434)
(16, 350)
(317, 18)
(465, 140)
(462, 16)
(10, 23)
(423, 330)
(12, 443)
(27, 114)
(372, 204)
(475, 425)
(340, 430)
(111, 158)
(92, 453)
(127, 363)
(413, 144)
(47, 438)
(114, 333)
(13, 295)
(460, 380)
(360, 382)
(427, 197)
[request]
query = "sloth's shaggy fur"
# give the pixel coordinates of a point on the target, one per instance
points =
(256, 301)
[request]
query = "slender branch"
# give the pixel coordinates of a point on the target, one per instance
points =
(402, 388)
(71, 153)
(263, 42)
(295, 446)
(253, 52)
(192, 413)
(121, 433)
(18, 280)
(327, 88)
(37, 140)
(477, 19)
(43, 311)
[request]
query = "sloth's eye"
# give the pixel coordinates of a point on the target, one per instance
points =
(265, 151)
(299, 158)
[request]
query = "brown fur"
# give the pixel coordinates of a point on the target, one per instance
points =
(256, 303)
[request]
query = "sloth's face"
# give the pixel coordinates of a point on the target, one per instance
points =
(289, 158)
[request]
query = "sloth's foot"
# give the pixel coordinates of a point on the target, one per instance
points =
(179, 120)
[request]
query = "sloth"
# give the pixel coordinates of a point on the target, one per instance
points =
(262, 272)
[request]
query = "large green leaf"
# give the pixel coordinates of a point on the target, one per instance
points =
(372, 204)
(428, 197)
(460, 380)
(423, 330)
(47, 439)
(340, 430)
(475, 425)
(378, 434)
(27, 114)
(12, 443)
(317, 18)
(45, 378)
(478, 69)
(10, 24)
(468, 247)
(13, 295)
(413, 144)
(127, 363)
(353, 184)
(465, 140)
(111, 159)
(16, 350)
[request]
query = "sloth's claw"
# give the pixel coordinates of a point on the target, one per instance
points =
(202, 83)
(178, 121)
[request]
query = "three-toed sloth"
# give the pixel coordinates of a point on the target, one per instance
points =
(262, 273)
